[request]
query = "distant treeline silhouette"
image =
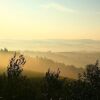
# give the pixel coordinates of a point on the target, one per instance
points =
(15, 86)
(4, 50)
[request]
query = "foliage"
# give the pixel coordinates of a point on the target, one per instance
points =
(4, 50)
(15, 86)
(15, 66)
(92, 73)
(52, 85)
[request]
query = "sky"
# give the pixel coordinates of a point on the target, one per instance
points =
(50, 19)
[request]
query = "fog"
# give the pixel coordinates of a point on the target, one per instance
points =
(56, 45)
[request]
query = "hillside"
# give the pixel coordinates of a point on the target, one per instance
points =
(78, 59)
(39, 65)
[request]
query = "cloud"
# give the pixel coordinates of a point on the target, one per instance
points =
(58, 7)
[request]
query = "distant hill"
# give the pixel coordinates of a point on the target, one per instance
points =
(70, 63)
(37, 66)
(78, 59)
(55, 45)
(43, 64)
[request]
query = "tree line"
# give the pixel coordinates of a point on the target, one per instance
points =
(15, 86)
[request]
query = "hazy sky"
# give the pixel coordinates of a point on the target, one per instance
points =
(44, 19)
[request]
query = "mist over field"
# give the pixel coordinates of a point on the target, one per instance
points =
(71, 56)
(55, 45)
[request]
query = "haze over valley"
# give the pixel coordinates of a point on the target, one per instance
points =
(71, 56)
(55, 45)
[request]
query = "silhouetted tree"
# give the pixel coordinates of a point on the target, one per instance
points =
(91, 79)
(5, 50)
(15, 66)
(92, 74)
(52, 87)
